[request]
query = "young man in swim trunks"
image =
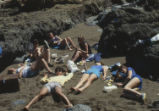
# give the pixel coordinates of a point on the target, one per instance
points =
(52, 87)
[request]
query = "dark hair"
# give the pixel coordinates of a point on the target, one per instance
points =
(35, 41)
(81, 38)
(100, 62)
(59, 69)
(122, 66)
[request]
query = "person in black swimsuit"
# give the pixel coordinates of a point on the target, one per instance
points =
(82, 52)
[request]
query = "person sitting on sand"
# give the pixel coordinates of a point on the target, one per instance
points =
(83, 52)
(132, 82)
(26, 71)
(52, 87)
(38, 51)
(60, 43)
(90, 75)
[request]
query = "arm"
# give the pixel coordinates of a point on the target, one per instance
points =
(128, 77)
(86, 47)
(105, 69)
(21, 72)
(118, 76)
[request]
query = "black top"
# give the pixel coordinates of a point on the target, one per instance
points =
(82, 46)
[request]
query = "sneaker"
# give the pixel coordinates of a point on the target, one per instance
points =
(143, 97)
(46, 44)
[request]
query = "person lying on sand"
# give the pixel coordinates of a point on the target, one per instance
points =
(60, 43)
(40, 63)
(52, 87)
(132, 83)
(83, 52)
(93, 73)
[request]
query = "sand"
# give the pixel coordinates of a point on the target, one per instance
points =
(93, 96)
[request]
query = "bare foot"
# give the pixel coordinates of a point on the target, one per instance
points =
(69, 106)
(73, 89)
(78, 92)
(25, 109)
(70, 49)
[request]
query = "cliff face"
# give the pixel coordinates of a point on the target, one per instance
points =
(123, 27)
(18, 29)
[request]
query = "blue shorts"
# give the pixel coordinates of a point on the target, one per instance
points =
(93, 72)
(140, 85)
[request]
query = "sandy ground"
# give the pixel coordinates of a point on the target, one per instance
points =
(93, 96)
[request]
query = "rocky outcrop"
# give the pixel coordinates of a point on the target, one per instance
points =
(122, 29)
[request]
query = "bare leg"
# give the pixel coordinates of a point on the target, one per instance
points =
(71, 42)
(131, 85)
(64, 42)
(48, 55)
(44, 91)
(63, 96)
(88, 83)
(45, 64)
(84, 78)
(76, 55)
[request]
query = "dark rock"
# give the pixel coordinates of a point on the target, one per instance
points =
(122, 28)
(79, 107)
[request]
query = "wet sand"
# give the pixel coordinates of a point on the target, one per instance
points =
(93, 96)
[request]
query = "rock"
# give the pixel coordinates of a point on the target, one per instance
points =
(79, 107)
(122, 28)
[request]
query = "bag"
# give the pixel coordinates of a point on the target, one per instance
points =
(10, 84)
(72, 66)
(109, 88)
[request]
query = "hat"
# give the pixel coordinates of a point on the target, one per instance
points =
(0, 51)
(97, 57)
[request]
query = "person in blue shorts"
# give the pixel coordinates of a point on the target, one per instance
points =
(93, 73)
(132, 82)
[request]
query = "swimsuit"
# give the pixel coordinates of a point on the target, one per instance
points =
(95, 69)
(84, 48)
(135, 75)
(51, 86)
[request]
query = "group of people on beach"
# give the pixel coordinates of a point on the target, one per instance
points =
(40, 59)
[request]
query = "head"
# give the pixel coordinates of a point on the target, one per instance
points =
(51, 35)
(60, 71)
(35, 43)
(123, 69)
(81, 39)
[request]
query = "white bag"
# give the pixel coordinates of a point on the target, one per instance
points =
(109, 88)
(72, 66)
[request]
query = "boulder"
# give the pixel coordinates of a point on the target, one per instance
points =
(122, 28)
(79, 107)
